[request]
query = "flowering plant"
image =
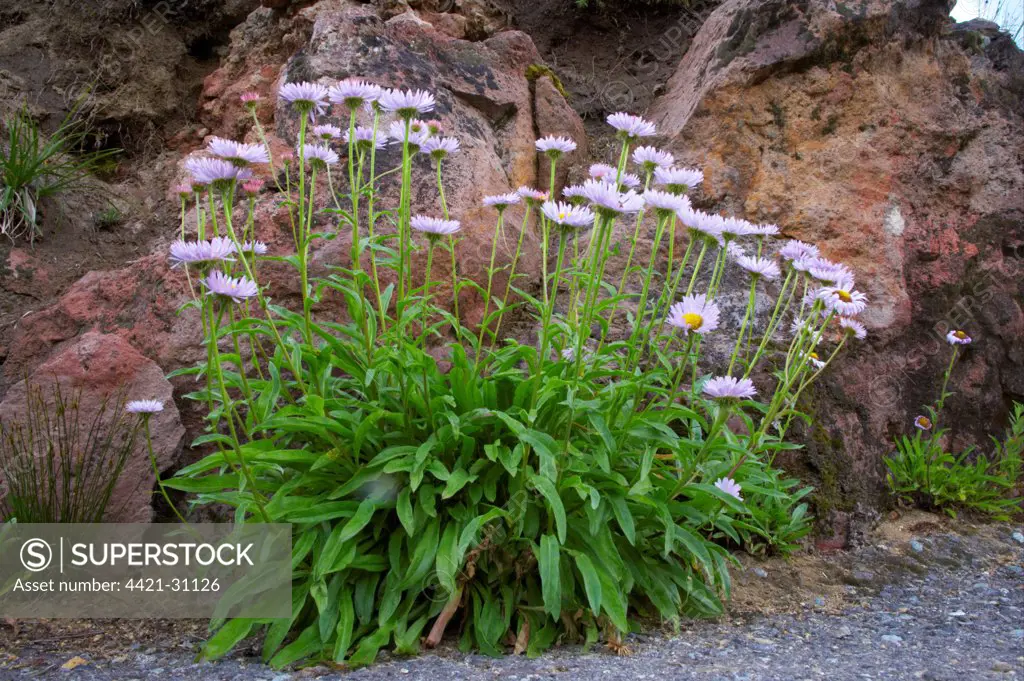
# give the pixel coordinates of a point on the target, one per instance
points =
(549, 487)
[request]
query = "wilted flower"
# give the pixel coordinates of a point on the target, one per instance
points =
(327, 132)
(201, 252)
(554, 147)
(664, 203)
(434, 227)
(609, 201)
(798, 250)
(958, 337)
(815, 360)
(567, 215)
(406, 103)
(215, 171)
(678, 180)
(144, 407)
(603, 171)
(842, 299)
(238, 153)
(367, 137)
(532, 196)
(238, 290)
(729, 486)
(502, 201)
(759, 267)
(318, 156)
(307, 98)
(650, 158)
(440, 147)
(853, 327)
(569, 354)
(631, 127)
(250, 99)
(353, 93)
(183, 191)
(923, 423)
(729, 388)
(694, 313)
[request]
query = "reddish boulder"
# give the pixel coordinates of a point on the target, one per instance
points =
(97, 366)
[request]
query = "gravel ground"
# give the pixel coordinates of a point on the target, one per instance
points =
(941, 606)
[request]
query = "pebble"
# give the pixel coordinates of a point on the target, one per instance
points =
(819, 602)
(1018, 633)
(1018, 537)
(916, 546)
(892, 638)
(760, 572)
(1001, 667)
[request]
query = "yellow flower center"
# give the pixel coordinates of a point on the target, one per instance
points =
(924, 422)
(844, 296)
(693, 320)
(960, 334)
(814, 355)
(561, 216)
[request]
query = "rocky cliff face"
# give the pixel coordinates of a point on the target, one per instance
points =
(897, 145)
(873, 128)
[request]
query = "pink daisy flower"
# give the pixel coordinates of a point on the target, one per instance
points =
(567, 215)
(694, 314)
(958, 337)
(221, 285)
(730, 487)
(729, 388)
(434, 227)
(631, 127)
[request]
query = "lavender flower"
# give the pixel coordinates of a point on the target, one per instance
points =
(502, 201)
(217, 172)
(704, 224)
(215, 250)
(608, 201)
(145, 407)
(798, 250)
(574, 193)
(923, 423)
(765, 230)
(734, 228)
(759, 267)
(729, 486)
(629, 181)
(327, 132)
(958, 337)
(603, 171)
(238, 290)
(650, 158)
(238, 153)
(254, 247)
(815, 360)
(567, 215)
(354, 93)
(307, 98)
(678, 180)
(440, 147)
(406, 103)
(418, 134)
(729, 388)
(694, 314)
(853, 327)
(664, 204)
(843, 300)
(533, 197)
(434, 227)
(318, 156)
(631, 127)
(366, 138)
(554, 147)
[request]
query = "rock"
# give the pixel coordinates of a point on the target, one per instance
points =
(1018, 537)
(1001, 667)
(760, 572)
(99, 365)
(916, 546)
(484, 98)
(895, 149)
(892, 638)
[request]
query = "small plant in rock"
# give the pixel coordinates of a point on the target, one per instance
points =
(550, 488)
(57, 466)
(924, 473)
(35, 167)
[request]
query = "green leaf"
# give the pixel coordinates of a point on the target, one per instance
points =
(226, 638)
(550, 494)
(360, 520)
(591, 581)
(550, 578)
